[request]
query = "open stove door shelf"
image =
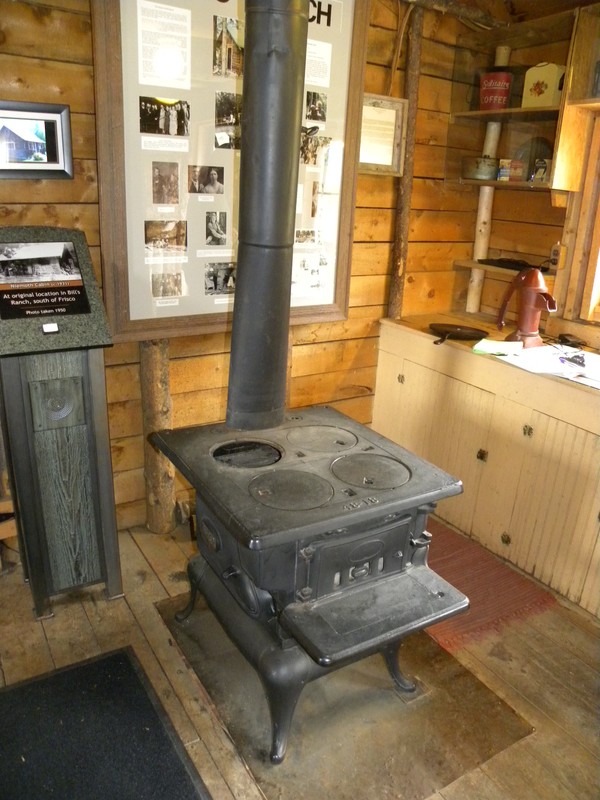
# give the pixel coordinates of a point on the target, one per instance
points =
(313, 546)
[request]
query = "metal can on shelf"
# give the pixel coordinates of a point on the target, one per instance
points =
(494, 90)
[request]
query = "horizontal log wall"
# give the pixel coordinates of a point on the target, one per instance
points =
(46, 56)
(442, 216)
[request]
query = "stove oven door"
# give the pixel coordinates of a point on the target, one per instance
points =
(365, 619)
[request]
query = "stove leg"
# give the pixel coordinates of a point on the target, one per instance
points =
(391, 654)
(282, 704)
(283, 671)
(195, 568)
(283, 681)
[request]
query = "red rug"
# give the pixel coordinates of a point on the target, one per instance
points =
(497, 592)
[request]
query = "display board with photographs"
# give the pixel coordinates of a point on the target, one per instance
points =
(182, 69)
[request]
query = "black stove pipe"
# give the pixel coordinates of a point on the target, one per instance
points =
(274, 63)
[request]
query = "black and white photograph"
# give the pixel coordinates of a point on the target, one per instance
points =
(205, 180)
(168, 284)
(228, 115)
(228, 47)
(313, 149)
(164, 116)
(219, 277)
(165, 238)
(165, 182)
(25, 263)
(216, 228)
(316, 106)
(314, 199)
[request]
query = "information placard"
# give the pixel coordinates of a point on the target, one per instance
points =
(49, 299)
(40, 279)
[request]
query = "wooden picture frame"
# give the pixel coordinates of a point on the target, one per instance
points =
(383, 134)
(35, 141)
(114, 107)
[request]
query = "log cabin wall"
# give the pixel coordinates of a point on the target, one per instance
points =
(442, 218)
(46, 56)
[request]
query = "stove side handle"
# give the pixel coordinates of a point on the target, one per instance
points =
(420, 537)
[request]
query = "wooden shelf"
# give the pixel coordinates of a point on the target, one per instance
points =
(507, 274)
(512, 114)
(521, 185)
(553, 28)
(589, 103)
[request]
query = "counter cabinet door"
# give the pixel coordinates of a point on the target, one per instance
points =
(441, 419)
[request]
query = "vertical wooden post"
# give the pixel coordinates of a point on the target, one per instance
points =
(3, 475)
(159, 473)
(486, 201)
(413, 68)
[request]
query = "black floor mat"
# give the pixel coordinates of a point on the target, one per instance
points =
(94, 731)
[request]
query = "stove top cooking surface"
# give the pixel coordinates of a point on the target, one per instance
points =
(316, 469)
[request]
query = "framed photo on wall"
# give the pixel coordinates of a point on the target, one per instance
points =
(35, 141)
(169, 105)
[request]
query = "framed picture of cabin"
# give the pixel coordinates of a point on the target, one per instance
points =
(168, 116)
(35, 141)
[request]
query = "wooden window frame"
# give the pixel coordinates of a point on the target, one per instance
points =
(578, 277)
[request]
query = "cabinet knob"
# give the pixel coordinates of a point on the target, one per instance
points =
(482, 455)
(527, 430)
(400, 378)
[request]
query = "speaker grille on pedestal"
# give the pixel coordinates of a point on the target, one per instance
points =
(57, 403)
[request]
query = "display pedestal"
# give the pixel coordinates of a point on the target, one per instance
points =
(54, 414)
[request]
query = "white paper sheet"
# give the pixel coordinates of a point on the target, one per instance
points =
(554, 360)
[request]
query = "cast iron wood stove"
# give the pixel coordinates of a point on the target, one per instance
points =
(313, 546)
(311, 527)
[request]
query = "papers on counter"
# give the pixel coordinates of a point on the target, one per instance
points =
(549, 360)
(492, 347)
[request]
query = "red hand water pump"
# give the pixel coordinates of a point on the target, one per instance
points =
(533, 299)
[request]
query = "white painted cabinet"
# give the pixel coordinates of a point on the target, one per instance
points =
(527, 448)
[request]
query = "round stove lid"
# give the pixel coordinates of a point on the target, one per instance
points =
(291, 490)
(322, 438)
(369, 470)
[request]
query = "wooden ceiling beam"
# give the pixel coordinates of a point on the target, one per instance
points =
(462, 12)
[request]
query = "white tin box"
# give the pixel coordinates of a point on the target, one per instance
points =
(543, 85)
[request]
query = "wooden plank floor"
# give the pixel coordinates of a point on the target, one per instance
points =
(547, 668)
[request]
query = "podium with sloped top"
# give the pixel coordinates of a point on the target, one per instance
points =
(53, 328)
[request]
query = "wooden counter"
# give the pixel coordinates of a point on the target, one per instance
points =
(526, 446)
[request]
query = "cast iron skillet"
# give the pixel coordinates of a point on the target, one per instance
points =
(456, 332)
